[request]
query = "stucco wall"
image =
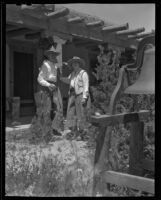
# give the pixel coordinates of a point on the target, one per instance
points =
(68, 51)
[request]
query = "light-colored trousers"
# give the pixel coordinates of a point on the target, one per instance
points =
(77, 115)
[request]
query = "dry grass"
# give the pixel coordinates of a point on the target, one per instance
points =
(62, 168)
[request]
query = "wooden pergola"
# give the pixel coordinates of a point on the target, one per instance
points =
(44, 20)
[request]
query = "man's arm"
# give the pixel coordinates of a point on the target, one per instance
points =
(85, 79)
(66, 79)
(41, 77)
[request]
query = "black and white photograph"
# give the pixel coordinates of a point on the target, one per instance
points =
(79, 100)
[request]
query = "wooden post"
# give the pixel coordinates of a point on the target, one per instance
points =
(15, 108)
(136, 148)
(101, 162)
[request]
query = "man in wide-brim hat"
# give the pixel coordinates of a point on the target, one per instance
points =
(52, 51)
(79, 99)
(78, 60)
(48, 81)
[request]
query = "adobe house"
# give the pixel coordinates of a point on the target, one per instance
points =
(74, 33)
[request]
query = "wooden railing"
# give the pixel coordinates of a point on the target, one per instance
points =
(137, 163)
(130, 181)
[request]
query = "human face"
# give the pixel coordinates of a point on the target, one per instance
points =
(52, 57)
(75, 66)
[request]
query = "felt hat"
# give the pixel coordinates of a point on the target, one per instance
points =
(51, 50)
(76, 59)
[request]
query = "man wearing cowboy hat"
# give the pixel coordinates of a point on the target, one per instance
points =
(48, 79)
(79, 99)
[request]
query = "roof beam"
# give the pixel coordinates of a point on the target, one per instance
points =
(95, 24)
(33, 22)
(18, 32)
(33, 36)
(35, 10)
(131, 32)
(20, 19)
(85, 44)
(57, 14)
(31, 7)
(10, 27)
(75, 20)
(60, 25)
(140, 35)
(109, 29)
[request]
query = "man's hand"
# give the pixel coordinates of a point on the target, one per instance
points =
(84, 102)
(52, 87)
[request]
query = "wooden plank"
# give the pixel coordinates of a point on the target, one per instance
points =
(131, 181)
(85, 43)
(33, 36)
(60, 25)
(75, 20)
(35, 10)
(128, 32)
(57, 14)
(95, 24)
(140, 35)
(109, 29)
(17, 18)
(148, 164)
(136, 148)
(33, 22)
(102, 157)
(10, 27)
(119, 118)
(18, 32)
(122, 83)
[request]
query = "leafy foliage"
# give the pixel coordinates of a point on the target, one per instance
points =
(106, 74)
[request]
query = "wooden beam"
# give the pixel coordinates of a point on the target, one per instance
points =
(140, 35)
(10, 27)
(110, 29)
(95, 24)
(128, 32)
(57, 14)
(84, 44)
(35, 10)
(61, 25)
(75, 20)
(119, 118)
(18, 32)
(20, 19)
(131, 181)
(33, 36)
(31, 7)
(136, 148)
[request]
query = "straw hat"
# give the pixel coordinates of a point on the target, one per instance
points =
(76, 59)
(51, 50)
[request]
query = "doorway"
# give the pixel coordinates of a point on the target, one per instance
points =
(23, 81)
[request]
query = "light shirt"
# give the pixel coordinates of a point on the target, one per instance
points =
(80, 82)
(48, 72)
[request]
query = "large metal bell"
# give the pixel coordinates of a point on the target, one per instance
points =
(145, 84)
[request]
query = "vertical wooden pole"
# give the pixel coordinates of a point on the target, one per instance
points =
(101, 162)
(15, 108)
(136, 148)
